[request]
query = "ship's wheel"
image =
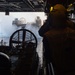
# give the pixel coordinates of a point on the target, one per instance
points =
(21, 38)
(21, 41)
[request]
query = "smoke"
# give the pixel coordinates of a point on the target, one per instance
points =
(6, 23)
(19, 22)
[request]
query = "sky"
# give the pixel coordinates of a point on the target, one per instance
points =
(6, 27)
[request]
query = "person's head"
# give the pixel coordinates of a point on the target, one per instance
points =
(59, 11)
(60, 7)
(59, 15)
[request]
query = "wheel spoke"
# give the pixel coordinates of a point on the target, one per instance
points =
(16, 42)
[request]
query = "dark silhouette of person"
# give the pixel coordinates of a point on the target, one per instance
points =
(46, 26)
(59, 43)
(48, 23)
(5, 64)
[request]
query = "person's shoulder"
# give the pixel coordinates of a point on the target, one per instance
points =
(70, 24)
(50, 32)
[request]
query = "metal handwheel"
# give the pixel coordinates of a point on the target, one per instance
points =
(21, 41)
(21, 38)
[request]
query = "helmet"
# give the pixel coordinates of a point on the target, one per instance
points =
(60, 7)
(59, 11)
(59, 15)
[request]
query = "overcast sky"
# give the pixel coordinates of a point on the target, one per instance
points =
(6, 27)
